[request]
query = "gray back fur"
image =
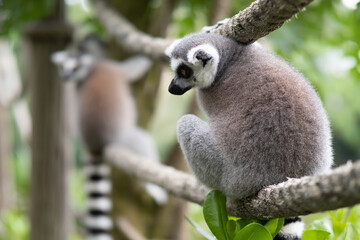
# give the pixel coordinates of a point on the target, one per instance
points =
(266, 122)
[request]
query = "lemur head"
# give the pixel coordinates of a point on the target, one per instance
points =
(195, 59)
(73, 66)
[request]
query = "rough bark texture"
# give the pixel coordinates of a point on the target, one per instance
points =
(259, 19)
(339, 187)
(49, 181)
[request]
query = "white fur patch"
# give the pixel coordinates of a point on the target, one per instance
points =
(292, 229)
(70, 64)
(102, 222)
(159, 194)
(204, 75)
(102, 186)
(100, 169)
(170, 48)
(257, 44)
(100, 203)
(174, 63)
(58, 57)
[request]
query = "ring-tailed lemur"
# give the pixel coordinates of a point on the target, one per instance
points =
(106, 114)
(266, 123)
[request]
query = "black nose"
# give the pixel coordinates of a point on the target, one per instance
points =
(175, 89)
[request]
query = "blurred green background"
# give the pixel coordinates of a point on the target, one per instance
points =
(322, 42)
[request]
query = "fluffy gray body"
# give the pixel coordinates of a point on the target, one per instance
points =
(106, 107)
(266, 123)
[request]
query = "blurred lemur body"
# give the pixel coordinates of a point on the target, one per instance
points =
(266, 123)
(106, 115)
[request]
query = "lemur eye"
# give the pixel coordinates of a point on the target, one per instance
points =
(184, 71)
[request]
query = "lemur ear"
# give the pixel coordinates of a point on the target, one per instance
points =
(203, 54)
(58, 57)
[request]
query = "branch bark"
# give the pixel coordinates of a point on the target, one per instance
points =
(335, 189)
(176, 182)
(258, 20)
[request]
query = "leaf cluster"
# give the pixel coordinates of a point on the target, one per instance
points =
(225, 227)
(342, 224)
(15, 14)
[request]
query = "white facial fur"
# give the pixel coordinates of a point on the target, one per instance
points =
(205, 75)
(73, 68)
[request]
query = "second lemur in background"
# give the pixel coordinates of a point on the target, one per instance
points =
(266, 123)
(106, 115)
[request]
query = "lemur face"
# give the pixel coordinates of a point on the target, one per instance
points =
(73, 66)
(195, 69)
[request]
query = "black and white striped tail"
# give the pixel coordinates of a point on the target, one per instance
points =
(292, 229)
(97, 221)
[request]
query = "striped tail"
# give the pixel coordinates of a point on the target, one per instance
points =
(97, 221)
(292, 229)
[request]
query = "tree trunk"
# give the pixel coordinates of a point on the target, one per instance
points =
(7, 194)
(49, 210)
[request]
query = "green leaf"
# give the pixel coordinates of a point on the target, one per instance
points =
(200, 230)
(322, 224)
(214, 210)
(279, 226)
(350, 233)
(241, 223)
(315, 234)
(271, 225)
(253, 231)
(274, 225)
(231, 228)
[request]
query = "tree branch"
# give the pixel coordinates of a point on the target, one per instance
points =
(335, 189)
(176, 182)
(259, 19)
(128, 36)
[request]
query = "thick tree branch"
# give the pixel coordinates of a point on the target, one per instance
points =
(259, 19)
(337, 188)
(176, 182)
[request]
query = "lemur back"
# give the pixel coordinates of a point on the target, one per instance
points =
(106, 108)
(266, 118)
(266, 123)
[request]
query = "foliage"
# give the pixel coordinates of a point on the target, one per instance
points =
(14, 225)
(230, 228)
(342, 224)
(17, 13)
